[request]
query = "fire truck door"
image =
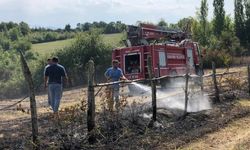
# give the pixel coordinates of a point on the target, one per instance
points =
(190, 57)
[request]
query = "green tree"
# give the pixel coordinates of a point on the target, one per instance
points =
(22, 44)
(162, 23)
(14, 34)
(247, 23)
(229, 25)
(230, 43)
(86, 26)
(219, 17)
(239, 21)
(3, 27)
(173, 26)
(87, 45)
(24, 28)
(204, 23)
(11, 25)
(196, 30)
(5, 43)
(185, 25)
(67, 28)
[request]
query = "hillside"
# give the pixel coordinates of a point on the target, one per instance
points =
(49, 47)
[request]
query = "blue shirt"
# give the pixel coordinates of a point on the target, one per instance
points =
(55, 72)
(114, 74)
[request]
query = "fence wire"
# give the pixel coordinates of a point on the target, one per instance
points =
(12, 105)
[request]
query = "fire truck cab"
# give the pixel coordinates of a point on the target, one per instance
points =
(168, 58)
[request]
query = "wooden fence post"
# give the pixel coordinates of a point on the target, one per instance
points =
(186, 93)
(217, 97)
(91, 102)
(153, 87)
(201, 84)
(28, 78)
(248, 74)
(201, 70)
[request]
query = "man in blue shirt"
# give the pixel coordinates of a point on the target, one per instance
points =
(53, 76)
(113, 74)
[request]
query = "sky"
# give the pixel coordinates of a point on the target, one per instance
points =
(58, 13)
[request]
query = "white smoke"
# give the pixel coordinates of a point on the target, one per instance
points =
(173, 96)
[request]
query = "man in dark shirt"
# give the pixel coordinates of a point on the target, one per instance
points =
(53, 76)
(49, 62)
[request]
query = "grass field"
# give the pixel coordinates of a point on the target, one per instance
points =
(49, 47)
(113, 39)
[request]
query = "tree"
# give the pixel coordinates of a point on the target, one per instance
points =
(86, 26)
(173, 26)
(195, 28)
(22, 44)
(201, 31)
(110, 28)
(67, 28)
(87, 45)
(3, 27)
(24, 28)
(229, 25)
(239, 21)
(14, 33)
(185, 25)
(247, 22)
(162, 23)
(203, 22)
(79, 27)
(219, 17)
(11, 25)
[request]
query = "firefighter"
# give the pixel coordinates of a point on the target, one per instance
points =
(113, 74)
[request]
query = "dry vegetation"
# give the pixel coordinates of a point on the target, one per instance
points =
(225, 126)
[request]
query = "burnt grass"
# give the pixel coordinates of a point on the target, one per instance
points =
(119, 130)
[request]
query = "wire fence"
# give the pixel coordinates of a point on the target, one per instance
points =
(181, 95)
(136, 99)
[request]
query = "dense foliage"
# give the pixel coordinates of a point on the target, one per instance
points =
(48, 36)
(11, 78)
(107, 28)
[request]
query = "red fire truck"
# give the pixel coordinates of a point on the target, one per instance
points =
(170, 51)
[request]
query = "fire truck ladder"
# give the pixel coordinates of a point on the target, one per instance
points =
(144, 34)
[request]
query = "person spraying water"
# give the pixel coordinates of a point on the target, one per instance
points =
(113, 74)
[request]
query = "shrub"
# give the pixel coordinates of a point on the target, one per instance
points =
(86, 46)
(12, 82)
(74, 58)
(221, 59)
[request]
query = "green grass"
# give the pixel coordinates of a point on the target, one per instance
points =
(49, 47)
(113, 39)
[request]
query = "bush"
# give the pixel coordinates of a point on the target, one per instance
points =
(12, 82)
(86, 46)
(48, 36)
(221, 59)
(74, 58)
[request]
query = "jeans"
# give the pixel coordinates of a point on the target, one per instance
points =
(115, 94)
(55, 95)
